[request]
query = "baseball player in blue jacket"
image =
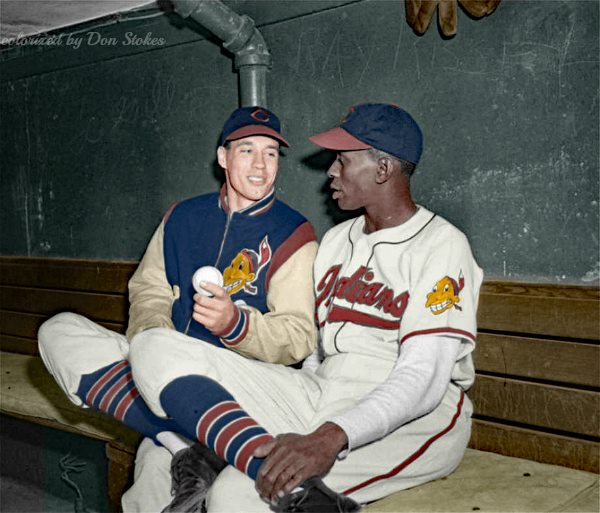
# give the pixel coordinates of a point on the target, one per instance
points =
(263, 248)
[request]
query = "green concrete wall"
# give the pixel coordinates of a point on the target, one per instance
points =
(98, 139)
(54, 469)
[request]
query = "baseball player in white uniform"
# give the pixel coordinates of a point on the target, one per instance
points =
(381, 406)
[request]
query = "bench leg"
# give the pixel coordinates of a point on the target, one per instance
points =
(120, 474)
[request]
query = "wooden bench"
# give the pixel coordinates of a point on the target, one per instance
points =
(32, 290)
(538, 373)
(536, 395)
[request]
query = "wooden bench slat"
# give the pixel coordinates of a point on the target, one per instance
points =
(540, 310)
(105, 307)
(86, 275)
(560, 361)
(533, 290)
(535, 445)
(19, 345)
(20, 324)
(27, 324)
(536, 404)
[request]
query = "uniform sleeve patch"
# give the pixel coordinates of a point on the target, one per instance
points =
(445, 294)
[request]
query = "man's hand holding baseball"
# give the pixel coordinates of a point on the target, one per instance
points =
(216, 312)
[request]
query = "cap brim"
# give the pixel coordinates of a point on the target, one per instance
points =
(249, 130)
(338, 139)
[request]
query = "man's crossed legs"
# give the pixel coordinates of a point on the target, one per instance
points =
(98, 368)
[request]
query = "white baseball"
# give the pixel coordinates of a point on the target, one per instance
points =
(208, 274)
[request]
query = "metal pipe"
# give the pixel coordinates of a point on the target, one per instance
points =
(253, 86)
(239, 36)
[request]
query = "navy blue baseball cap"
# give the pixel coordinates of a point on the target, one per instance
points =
(382, 126)
(247, 121)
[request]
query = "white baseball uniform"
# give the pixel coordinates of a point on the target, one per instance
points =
(396, 310)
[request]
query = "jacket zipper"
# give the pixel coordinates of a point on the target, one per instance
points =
(225, 232)
(229, 218)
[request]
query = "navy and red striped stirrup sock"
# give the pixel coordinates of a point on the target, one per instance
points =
(111, 390)
(205, 411)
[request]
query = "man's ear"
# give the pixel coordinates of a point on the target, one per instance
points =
(222, 157)
(385, 169)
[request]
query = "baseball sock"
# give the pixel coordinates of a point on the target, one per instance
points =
(111, 390)
(205, 411)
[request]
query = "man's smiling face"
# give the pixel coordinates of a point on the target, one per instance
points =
(250, 166)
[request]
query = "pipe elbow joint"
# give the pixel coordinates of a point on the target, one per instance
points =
(254, 53)
(248, 45)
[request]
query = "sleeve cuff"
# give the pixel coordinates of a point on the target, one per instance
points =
(443, 331)
(237, 329)
(339, 421)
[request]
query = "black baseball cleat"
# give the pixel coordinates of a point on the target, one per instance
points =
(315, 497)
(193, 471)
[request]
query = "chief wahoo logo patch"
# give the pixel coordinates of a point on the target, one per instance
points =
(445, 294)
(245, 267)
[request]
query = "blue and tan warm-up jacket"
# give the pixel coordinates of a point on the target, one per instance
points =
(266, 254)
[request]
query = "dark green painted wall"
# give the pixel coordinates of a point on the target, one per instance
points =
(44, 460)
(98, 141)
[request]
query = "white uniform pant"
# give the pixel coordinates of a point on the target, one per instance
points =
(151, 490)
(282, 400)
(279, 398)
